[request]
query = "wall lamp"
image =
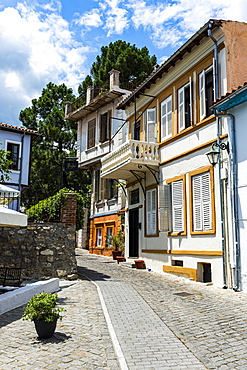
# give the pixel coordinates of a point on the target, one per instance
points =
(214, 153)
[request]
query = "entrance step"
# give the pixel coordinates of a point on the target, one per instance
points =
(127, 264)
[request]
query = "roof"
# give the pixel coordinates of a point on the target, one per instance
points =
(7, 127)
(170, 62)
(95, 104)
(231, 99)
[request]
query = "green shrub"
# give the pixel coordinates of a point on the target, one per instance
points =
(48, 210)
(42, 307)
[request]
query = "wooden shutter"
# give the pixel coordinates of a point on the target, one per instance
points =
(96, 185)
(107, 187)
(149, 211)
(202, 211)
(109, 124)
(164, 207)
(151, 217)
(91, 134)
(202, 95)
(101, 128)
(197, 207)
(206, 201)
(151, 124)
(181, 109)
(177, 206)
(166, 118)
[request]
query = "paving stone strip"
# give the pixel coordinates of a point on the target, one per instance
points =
(211, 322)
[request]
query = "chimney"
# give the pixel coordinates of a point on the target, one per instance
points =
(89, 95)
(114, 79)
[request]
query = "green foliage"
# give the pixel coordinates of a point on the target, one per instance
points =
(118, 241)
(42, 307)
(134, 65)
(4, 165)
(57, 140)
(48, 210)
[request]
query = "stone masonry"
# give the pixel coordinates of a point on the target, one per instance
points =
(43, 250)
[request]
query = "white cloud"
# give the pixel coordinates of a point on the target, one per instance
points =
(36, 48)
(90, 19)
(116, 17)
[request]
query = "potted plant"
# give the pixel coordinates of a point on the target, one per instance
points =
(139, 264)
(117, 241)
(41, 309)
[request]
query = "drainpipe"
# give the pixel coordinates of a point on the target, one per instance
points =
(234, 199)
(21, 168)
(216, 96)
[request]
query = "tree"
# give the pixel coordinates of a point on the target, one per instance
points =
(4, 165)
(134, 65)
(56, 141)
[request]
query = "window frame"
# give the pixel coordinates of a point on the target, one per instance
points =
(192, 175)
(99, 237)
(203, 93)
(184, 206)
(91, 141)
(181, 107)
(105, 127)
(150, 137)
(166, 125)
(11, 154)
(153, 212)
(108, 227)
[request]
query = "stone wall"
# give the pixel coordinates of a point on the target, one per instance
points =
(43, 250)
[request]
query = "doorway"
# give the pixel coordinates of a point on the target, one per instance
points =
(133, 232)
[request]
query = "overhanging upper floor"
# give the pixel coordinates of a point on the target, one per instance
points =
(131, 156)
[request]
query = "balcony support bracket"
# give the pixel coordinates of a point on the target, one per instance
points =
(139, 179)
(120, 184)
(153, 172)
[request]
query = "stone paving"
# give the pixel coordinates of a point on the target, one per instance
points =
(211, 322)
(181, 324)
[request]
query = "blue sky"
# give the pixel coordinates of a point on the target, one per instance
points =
(58, 40)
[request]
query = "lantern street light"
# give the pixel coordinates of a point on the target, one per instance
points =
(214, 154)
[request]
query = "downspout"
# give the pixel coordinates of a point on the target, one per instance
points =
(21, 168)
(234, 172)
(216, 96)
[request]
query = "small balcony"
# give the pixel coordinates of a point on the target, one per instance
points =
(131, 156)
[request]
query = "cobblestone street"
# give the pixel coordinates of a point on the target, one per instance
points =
(160, 322)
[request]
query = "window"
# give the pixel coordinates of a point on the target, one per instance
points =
(105, 127)
(109, 233)
(151, 125)
(202, 206)
(177, 205)
(151, 215)
(206, 90)
(91, 134)
(134, 196)
(97, 185)
(166, 118)
(13, 155)
(137, 130)
(184, 107)
(98, 237)
(111, 190)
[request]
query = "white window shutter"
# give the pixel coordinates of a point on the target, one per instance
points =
(177, 206)
(149, 213)
(191, 95)
(151, 221)
(202, 95)
(164, 207)
(206, 202)
(151, 124)
(181, 112)
(166, 118)
(197, 210)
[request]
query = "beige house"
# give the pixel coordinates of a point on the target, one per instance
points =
(177, 211)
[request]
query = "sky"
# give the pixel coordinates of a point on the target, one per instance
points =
(57, 41)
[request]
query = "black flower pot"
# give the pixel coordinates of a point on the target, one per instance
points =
(45, 329)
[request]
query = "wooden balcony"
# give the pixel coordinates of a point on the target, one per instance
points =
(131, 156)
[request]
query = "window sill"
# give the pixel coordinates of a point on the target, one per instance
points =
(91, 149)
(105, 143)
(111, 201)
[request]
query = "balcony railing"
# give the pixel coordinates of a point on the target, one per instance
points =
(128, 156)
